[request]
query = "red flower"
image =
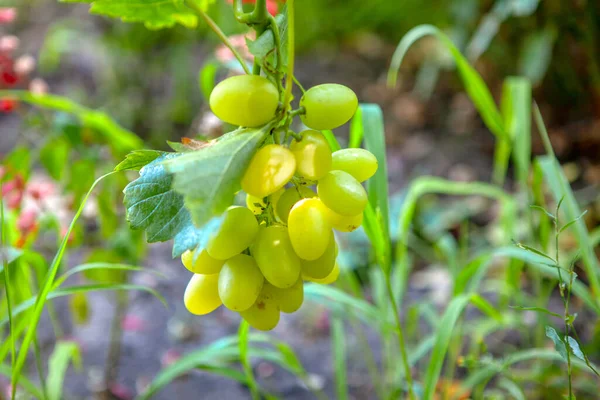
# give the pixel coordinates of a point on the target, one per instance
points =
(7, 15)
(7, 105)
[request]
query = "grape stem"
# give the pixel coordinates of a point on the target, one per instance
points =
(191, 4)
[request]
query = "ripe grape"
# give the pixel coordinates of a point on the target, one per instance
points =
(313, 155)
(264, 313)
(236, 233)
(328, 106)
(275, 256)
(204, 264)
(202, 295)
(240, 282)
(322, 266)
(290, 299)
(331, 278)
(255, 204)
(343, 194)
(308, 229)
(343, 223)
(359, 163)
(290, 197)
(245, 100)
(270, 169)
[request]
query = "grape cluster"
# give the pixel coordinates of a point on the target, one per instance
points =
(256, 262)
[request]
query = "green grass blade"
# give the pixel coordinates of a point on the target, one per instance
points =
(516, 110)
(338, 345)
(474, 84)
(245, 359)
(25, 383)
(357, 130)
(6, 274)
(64, 353)
(331, 139)
(101, 265)
(442, 341)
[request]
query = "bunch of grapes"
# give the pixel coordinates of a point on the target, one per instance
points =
(297, 192)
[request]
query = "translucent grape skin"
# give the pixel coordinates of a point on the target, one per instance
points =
(342, 194)
(201, 295)
(322, 266)
(343, 223)
(329, 279)
(328, 106)
(308, 229)
(275, 256)
(204, 264)
(245, 100)
(269, 170)
(290, 197)
(240, 282)
(359, 163)
(237, 231)
(313, 155)
(289, 300)
(264, 313)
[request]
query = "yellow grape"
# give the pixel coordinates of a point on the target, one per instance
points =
(322, 266)
(328, 106)
(343, 194)
(240, 282)
(236, 233)
(313, 155)
(343, 223)
(359, 163)
(202, 295)
(245, 100)
(264, 313)
(275, 256)
(308, 229)
(269, 170)
(255, 204)
(290, 197)
(331, 278)
(290, 300)
(204, 264)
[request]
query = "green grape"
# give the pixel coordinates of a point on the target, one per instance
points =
(322, 266)
(290, 197)
(236, 233)
(204, 264)
(328, 106)
(202, 295)
(313, 155)
(343, 223)
(308, 229)
(245, 100)
(342, 194)
(289, 300)
(255, 204)
(275, 256)
(359, 163)
(264, 313)
(270, 169)
(240, 282)
(329, 279)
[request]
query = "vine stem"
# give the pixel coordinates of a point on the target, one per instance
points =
(289, 80)
(220, 34)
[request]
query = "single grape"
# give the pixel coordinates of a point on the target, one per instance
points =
(290, 299)
(275, 256)
(290, 197)
(329, 279)
(322, 266)
(236, 233)
(202, 295)
(204, 264)
(342, 194)
(328, 106)
(264, 313)
(269, 170)
(308, 229)
(255, 204)
(240, 282)
(313, 155)
(343, 223)
(245, 100)
(359, 163)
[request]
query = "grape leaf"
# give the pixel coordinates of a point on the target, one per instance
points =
(138, 159)
(264, 45)
(155, 14)
(209, 178)
(152, 205)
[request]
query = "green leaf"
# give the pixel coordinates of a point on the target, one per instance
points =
(575, 349)
(516, 111)
(474, 84)
(568, 224)
(559, 345)
(54, 156)
(138, 159)
(333, 142)
(63, 354)
(209, 178)
(537, 309)
(155, 14)
(536, 54)
(338, 344)
(206, 78)
(264, 45)
(25, 383)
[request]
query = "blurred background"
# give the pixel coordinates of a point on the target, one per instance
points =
(153, 83)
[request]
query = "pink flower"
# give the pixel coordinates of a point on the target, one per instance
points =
(7, 15)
